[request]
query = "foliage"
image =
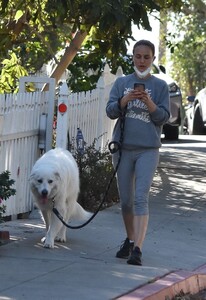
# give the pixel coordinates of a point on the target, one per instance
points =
(88, 67)
(36, 30)
(186, 41)
(6, 191)
(96, 171)
(10, 74)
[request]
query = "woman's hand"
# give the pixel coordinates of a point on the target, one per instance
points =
(145, 97)
(142, 96)
(132, 95)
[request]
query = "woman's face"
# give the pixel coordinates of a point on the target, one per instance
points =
(143, 57)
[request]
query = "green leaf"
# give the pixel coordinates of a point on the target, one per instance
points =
(18, 15)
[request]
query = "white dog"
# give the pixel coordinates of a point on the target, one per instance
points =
(54, 180)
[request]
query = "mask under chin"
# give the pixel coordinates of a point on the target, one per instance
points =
(142, 74)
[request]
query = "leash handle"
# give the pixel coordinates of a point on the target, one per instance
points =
(114, 147)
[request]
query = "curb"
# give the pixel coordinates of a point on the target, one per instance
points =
(170, 286)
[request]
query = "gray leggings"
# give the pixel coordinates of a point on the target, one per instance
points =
(134, 178)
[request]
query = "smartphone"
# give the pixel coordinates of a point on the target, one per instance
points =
(139, 86)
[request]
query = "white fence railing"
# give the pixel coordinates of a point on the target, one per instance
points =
(19, 141)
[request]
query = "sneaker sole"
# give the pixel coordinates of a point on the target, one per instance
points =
(123, 257)
(134, 262)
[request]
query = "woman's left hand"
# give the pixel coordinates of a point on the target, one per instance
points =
(145, 98)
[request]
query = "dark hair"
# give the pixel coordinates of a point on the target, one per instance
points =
(145, 43)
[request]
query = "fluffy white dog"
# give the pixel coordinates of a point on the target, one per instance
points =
(54, 180)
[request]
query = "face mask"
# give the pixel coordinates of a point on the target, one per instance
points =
(142, 74)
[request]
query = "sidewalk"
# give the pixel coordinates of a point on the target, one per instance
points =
(86, 268)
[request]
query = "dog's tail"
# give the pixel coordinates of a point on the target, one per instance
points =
(79, 213)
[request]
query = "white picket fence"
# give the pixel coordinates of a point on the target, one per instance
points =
(21, 136)
(20, 116)
(86, 110)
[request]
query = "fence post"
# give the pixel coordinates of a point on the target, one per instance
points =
(1, 123)
(101, 95)
(119, 72)
(62, 119)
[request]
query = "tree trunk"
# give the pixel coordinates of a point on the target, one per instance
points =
(163, 33)
(68, 56)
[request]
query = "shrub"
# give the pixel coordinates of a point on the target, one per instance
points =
(96, 170)
(6, 191)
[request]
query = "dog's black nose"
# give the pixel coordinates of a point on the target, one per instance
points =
(44, 192)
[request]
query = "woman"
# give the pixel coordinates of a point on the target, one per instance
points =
(144, 100)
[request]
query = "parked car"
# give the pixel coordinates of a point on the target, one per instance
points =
(188, 111)
(195, 119)
(171, 129)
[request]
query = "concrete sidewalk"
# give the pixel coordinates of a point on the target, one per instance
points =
(86, 268)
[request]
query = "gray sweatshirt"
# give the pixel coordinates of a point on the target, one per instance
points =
(142, 129)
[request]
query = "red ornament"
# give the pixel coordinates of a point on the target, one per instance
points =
(62, 108)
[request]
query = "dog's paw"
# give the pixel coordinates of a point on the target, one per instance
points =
(48, 243)
(48, 246)
(60, 239)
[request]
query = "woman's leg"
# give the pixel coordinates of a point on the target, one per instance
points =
(140, 229)
(128, 219)
(125, 182)
(146, 165)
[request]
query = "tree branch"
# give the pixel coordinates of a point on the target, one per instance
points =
(68, 56)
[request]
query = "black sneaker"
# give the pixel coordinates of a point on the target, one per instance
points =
(135, 257)
(125, 249)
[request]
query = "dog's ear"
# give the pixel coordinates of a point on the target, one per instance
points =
(32, 175)
(57, 176)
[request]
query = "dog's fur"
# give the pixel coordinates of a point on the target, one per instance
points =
(55, 177)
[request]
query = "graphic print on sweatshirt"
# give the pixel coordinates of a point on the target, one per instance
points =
(136, 109)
